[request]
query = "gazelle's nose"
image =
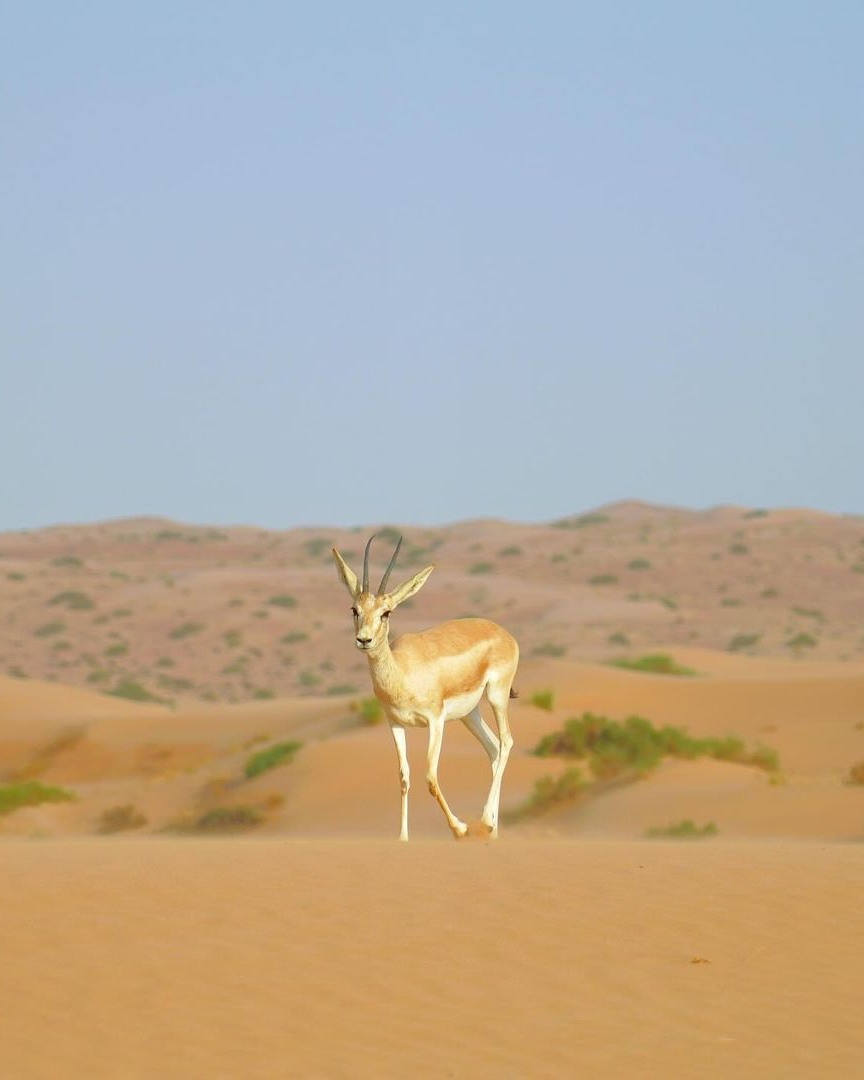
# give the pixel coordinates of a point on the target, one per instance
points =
(363, 641)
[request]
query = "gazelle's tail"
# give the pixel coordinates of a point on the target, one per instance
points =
(513, 693)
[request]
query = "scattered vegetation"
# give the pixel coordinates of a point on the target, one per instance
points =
(581, 522)
(639, 564)
(221, 819)
(121, 819)
(682, 830)
(30, 793)
(739, 548)
(293, 637)
(549, 648)
(603, 579)
(802, 641)
(134, 691)
(481, 568)
(511, 551)
(618, 638)
(72, 599)
(67, 561)
(284, 600)
(543, 699)
(614, 748)
(49, 629)
(186, 629)
(743, 641)
(653, 663)
(548, 793)
(369, 709)
(278, 754)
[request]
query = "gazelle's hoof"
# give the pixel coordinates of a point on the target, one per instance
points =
(460, 830)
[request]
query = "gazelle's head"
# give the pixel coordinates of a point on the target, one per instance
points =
(371, 611)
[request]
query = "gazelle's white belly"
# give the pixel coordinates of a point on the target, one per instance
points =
(454, 709)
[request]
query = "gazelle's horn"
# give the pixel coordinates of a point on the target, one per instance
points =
(383, 584)
(366, 563)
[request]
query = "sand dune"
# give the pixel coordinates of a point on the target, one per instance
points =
(316, 945)
(366, 958)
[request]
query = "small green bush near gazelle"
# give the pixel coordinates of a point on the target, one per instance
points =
(369, 709)
(278, 754)
(283, 601)
(654, 664)
(634, 745)
(548, 793)
(682, 830)
(30, 793)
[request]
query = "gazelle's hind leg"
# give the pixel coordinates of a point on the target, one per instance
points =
(498, 694)
(478, 728)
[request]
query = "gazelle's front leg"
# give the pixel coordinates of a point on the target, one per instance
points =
(436, 736)
(401, 741)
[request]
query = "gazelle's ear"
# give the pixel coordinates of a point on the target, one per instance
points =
(410, 587)
(347, 575)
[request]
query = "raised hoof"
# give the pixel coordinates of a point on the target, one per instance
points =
(460, 830)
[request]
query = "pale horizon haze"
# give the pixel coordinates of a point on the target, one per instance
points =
(286, 264)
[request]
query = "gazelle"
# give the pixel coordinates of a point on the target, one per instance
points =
(426, 679)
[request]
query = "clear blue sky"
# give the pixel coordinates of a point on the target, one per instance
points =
(288, 263)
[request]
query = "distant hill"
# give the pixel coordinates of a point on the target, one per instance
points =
(154, 609)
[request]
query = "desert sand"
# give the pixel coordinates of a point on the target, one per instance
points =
(313, 944)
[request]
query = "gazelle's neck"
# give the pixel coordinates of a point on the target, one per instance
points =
(386, 674)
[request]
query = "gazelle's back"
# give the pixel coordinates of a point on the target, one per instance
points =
(466, 644)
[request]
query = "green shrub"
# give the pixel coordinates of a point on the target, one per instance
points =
(481, 568)
(293, 637)
(278, 754)
(739, 549)
(67, 560)
(509, 552)
(548, 648)
(603, 579)
(72, 599)
(682, 830)
(49, 629)
(743, 641)
(802, 641)
(654, 664)
(639, 564)
(283, 601)
(635, 745)
(133, 691)
(618, 638)
(233, 638)
(186, 629)
(30, 793)
(543, 699)
(369, 709)
(223, 819)
(120, 648)
(548, 793)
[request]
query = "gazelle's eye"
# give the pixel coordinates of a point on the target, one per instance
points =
(355, 612)
(385, 614)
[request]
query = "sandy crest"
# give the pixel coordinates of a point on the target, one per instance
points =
(365, 958)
